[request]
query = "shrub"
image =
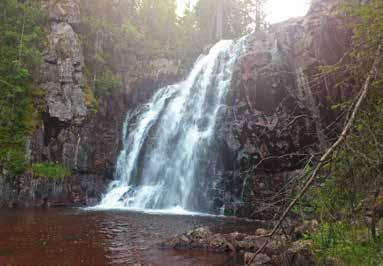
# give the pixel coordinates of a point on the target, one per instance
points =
(13, 160)
(18, 68)
(349, 244)
(106, 82)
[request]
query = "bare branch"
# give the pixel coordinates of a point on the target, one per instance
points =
(330, 151)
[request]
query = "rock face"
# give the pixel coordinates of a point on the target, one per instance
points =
(154, 74)
(28, 191)
(70, 133)
(67, 11)
(63, 63)
(279, 110)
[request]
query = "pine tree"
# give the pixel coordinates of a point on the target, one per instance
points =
(21, 35)
(256, 9)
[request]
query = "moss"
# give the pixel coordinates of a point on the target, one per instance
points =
(32, 118)
(50, 170)
(13, 160)
(38, 92)
(90, 99)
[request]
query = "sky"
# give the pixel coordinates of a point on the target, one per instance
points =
(280, 10)
(277, 10)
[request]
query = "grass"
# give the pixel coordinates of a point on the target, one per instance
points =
(50, 170)
(348, 244)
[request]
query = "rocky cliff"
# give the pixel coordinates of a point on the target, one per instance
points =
(278, 113)
(72, 132)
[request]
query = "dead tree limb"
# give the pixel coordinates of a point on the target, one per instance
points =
(330, 151)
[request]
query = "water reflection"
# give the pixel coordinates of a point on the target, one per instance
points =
(76, 237)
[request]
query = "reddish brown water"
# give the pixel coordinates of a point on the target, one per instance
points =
(76, 237)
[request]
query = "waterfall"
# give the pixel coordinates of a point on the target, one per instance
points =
(167, 142)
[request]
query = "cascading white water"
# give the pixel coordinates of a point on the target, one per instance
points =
(167, 141)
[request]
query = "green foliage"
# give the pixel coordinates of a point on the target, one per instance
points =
(189, 36)
(157, 22)
(49, 170)
(332, 202)
(20, 39)
(349, 245)
(119, 35)
(347, 201)
(109, 37)
(356, 171)
(235, 20)
(107, 82)
(13, 160)
(90, 100)
(368, 31)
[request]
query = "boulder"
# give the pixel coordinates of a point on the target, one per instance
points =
(202, 232)
(278, 251)
(300, 253)
(64, 11)
(256, 260)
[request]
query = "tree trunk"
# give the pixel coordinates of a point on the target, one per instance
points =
(219, 25)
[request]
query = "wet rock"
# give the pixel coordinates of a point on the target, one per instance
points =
(92, 201)
(251, 243)
(278, 251)
(237, 236)
(28, 191)
(202, 239)
(299, 254)
(202, 232)
(153, 74)
(261, 232)
(255, 260)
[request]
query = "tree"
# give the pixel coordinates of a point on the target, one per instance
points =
(257, 12)
(219, 19)
(189, 43)
(118, 34)
(157, 21)
(354, 161)
(229, 20)
(21, 36)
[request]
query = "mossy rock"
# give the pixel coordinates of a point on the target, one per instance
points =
(49, 170)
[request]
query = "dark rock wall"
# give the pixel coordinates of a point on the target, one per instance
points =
(279, 111)
(27, 191)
